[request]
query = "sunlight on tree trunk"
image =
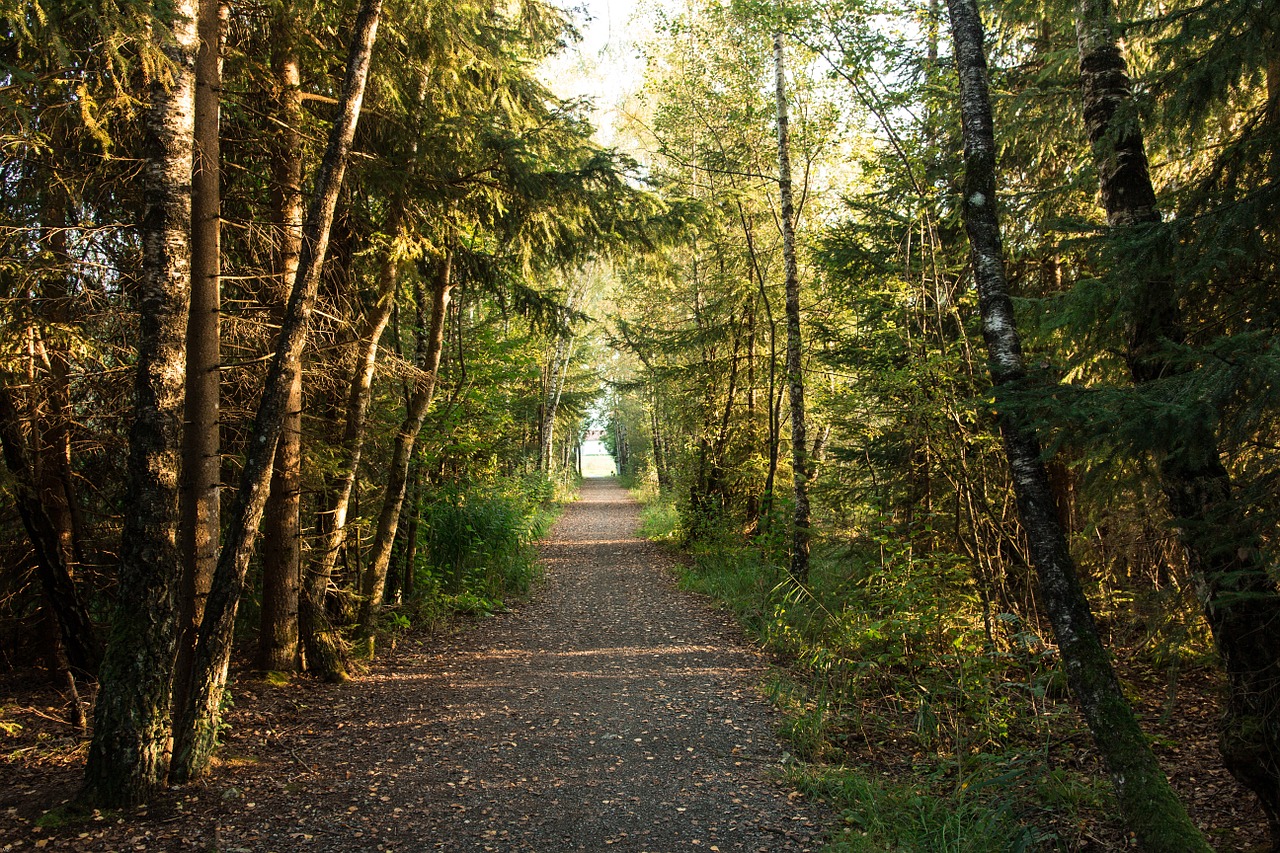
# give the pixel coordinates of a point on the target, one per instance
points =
(129, 754)
(1150, 809)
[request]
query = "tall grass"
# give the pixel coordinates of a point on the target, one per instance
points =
(476, 543)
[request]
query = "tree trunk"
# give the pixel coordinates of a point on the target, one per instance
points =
(129, 756)
(52, 421)
(411, 534)
(375, 577)
(278, 647)
(556, 372)
(201, 441)
(325, 648)
(75, 629)
(196, 732)
(1148, 805)
(799, 566)
(1237, 593)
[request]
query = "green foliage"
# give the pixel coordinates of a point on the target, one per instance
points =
(888, 815)
(478, 542)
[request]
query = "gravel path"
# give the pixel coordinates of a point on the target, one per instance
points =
(613, 711)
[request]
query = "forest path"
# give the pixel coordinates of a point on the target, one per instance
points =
(610, 712)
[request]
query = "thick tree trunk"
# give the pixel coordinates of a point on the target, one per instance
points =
(196, 732)
(201, 441)
(375, 577)
(129, 756)
(1237, 593)
(799, 566)
(1150, 809)
(278, 647)
(278, 639)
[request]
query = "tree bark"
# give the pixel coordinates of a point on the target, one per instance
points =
(75, 629)
(201, 442)
(326, 651)
(375, 577)
(551, 401)
(278, 646)
(1149, 807)
(196, 732)
(129, 755)
(799, 566)
(1237, 593)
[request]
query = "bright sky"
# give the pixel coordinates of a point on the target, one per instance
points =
(604, 65)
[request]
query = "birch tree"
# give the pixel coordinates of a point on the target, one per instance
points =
(1149, 807)
(129, 754)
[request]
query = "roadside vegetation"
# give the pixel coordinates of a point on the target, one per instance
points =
(930, 721)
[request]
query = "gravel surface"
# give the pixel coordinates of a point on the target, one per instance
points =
(611, 712)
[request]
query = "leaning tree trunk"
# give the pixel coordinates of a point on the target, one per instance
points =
(1148, 805)
(375, 576)
(74, 626)
(196, 731)
(326, 651)
(795, 376)
(129, 755)
(201, 444)
(1237, 592)
(281, 575)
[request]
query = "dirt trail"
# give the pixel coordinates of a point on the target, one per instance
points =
(613, 711)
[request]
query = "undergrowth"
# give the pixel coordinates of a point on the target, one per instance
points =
(928, 721)
(476, 549)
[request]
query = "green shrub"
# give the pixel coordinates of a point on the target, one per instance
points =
(477, 543)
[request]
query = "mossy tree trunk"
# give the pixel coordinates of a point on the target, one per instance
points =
(1150, 809)
(1237, 592)
(129, 754)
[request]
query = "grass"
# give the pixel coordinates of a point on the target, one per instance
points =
(885, 815)
(925, 727)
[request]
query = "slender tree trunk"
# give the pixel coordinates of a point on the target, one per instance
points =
(411, 534)
(659, 439)
(795, 375)
(201, 441)
(326, 651)
(1237, 593)
(74, 626)
(129, 755)
(375, 577)
(52, 421)
(1149, 807)
(556, 372)
(278, 646)
(195, 734)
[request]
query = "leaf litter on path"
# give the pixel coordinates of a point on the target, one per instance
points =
(611, 712)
